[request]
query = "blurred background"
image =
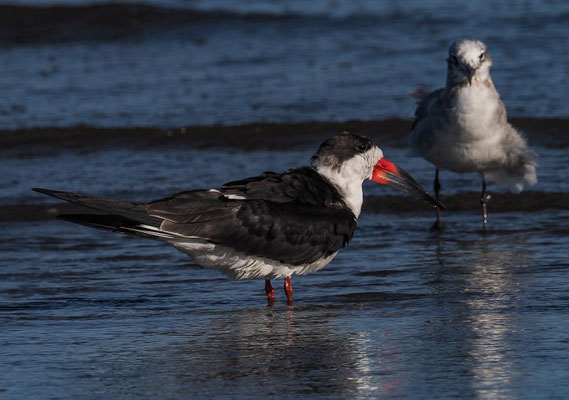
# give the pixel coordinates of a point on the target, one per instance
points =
(175, 63)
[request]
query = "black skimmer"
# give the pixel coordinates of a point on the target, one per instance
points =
(463, 127)
(272, 226)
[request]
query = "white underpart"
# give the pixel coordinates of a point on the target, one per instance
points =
(348, 178)
(470, 140)
(240, 266)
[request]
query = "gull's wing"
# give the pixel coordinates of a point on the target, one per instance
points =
(424, 106)
(430, 113)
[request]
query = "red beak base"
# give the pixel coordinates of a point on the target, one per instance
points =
(380, 169)
(387, 173)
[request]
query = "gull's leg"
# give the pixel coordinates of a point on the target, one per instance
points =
(438, 225)
(484, 197)
(270, 291)
(288, 290)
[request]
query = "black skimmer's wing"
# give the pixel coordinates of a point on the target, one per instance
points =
(296, 217)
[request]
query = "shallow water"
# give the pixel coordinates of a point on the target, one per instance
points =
(399, 313)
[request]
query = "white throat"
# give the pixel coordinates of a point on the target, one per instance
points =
(349, 177)
(348, 184)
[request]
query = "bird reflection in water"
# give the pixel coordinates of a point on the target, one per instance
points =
(476, 289)
(248, 350)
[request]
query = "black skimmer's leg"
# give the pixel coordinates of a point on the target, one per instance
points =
(288, 290)
(270, 291)
(484, 197)
(438, 225)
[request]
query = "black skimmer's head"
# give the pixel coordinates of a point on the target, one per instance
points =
(468, 61)
(348, 159)
(272, 225)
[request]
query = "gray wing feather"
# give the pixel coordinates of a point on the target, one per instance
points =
(423, 107)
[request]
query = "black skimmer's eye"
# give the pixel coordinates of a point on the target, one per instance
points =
(364, 145)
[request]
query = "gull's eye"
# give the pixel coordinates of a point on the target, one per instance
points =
(482, 57)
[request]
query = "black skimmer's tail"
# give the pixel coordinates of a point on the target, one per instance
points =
(272, 225)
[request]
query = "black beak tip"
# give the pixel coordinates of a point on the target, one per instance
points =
(440, 205)
(435, 202)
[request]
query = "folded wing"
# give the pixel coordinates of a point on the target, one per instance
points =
(296, 217)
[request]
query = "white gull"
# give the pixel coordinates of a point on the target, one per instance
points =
(463, 127)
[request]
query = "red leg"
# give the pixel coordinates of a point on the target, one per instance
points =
(288, 290)
(270, 291)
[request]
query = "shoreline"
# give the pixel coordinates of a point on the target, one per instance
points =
(529, 201)
(277, 136)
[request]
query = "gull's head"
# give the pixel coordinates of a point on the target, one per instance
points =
(347, 159)
(468, 61)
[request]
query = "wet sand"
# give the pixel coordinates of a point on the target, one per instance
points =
(275, 136)
(271, 136)
(463, 201)
(52, 23)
